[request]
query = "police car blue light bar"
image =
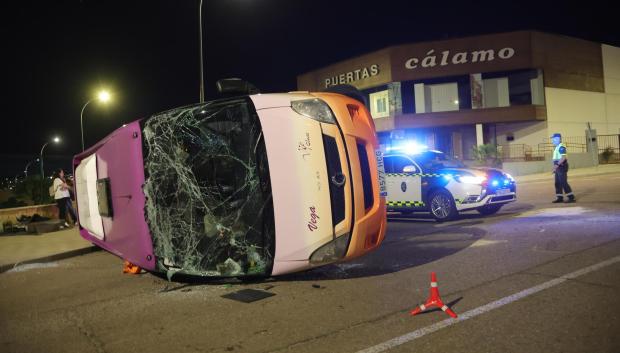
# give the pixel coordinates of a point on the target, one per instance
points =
(408, 147)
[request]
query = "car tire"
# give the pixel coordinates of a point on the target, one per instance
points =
(489, 209)
(442, 206)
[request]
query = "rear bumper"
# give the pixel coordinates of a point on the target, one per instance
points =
(118, 158)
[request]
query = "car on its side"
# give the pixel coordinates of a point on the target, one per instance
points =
(248, 185)
(430, 181)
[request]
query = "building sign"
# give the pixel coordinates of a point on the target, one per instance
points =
(370, 70)
(352, 76)
(455, 58)
(464, 56)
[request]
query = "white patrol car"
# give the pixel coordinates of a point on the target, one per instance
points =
(431, 181)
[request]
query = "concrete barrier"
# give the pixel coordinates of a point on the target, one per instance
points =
(575, 160)
(11, 214)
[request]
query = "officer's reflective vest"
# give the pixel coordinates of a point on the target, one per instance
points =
(558, 152)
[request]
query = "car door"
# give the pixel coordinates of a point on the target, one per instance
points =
(404, 182)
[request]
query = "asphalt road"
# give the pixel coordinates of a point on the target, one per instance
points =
(536, 277)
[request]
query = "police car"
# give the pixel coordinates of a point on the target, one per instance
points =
(428, 180)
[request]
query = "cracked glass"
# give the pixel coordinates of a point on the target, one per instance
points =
(209, 206)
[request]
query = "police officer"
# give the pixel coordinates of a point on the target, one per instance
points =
(560, 168)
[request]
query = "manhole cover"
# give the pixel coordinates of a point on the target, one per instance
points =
(248, 295)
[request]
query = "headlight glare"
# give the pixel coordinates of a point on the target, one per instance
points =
(470, 179)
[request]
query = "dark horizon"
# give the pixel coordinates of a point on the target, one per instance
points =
(147, 52)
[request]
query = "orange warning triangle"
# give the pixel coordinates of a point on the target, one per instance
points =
(434, 300)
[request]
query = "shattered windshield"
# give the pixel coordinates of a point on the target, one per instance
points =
(209, 205)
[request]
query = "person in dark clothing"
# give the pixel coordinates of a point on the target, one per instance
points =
(62, 197)
(560, 169)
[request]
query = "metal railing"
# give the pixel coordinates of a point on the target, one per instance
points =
(609, 148)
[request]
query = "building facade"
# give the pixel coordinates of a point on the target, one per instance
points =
(511, 89)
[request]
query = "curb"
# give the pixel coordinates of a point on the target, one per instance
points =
(574, 176)
(54, 257)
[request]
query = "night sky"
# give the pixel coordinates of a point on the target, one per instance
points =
(57, 53)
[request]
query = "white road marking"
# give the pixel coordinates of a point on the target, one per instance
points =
(35, 266)
(484, 242)
(555, 212)
(394, 342)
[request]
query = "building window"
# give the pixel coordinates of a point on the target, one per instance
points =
(380, 104)
(441, 97)
(496, 92)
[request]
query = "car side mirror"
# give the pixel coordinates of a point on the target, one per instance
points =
(409, 169)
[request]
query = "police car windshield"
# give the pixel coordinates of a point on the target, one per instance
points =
(436, 160)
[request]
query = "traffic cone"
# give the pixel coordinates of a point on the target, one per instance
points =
(434, 300)
(128, 267)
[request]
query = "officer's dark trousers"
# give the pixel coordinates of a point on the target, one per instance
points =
(561, 182)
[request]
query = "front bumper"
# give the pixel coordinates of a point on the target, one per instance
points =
(367, 218)
(473, 202)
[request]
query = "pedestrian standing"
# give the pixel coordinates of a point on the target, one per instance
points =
(560, 169)
(62, 197)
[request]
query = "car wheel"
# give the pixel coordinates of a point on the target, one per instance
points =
(442, 206)
(489, 209)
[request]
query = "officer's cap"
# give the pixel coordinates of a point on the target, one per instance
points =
(557, 134)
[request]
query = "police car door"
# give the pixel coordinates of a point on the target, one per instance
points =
(404, 182)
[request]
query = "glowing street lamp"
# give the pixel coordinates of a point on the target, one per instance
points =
(103, 97)
(55, 140)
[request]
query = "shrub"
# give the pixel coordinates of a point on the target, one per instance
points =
(487, 155)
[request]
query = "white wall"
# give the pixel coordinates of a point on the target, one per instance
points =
(529, 133)
(611, 74)
(611, 68)
(568, 111)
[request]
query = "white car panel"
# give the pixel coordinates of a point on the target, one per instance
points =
(299, 183)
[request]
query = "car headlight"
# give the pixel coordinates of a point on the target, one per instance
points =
(470, 179)
(332, 251)
(314, 109)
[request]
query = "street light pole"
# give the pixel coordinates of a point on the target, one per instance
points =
(82, 122)
(27, 165)
(56, 140)
(202, 85)
(103, 97)
(42, 173)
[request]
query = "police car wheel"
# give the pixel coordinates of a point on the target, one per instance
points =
(489, 209)
(442, 206)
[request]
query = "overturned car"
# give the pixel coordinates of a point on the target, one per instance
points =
(249, 185)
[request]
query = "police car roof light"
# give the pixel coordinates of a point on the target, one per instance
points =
(408, 147)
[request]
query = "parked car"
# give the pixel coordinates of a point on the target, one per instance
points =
(430, 181)
(248, 185)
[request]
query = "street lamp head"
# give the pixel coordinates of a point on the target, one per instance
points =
(103, 96)
(56, 139)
